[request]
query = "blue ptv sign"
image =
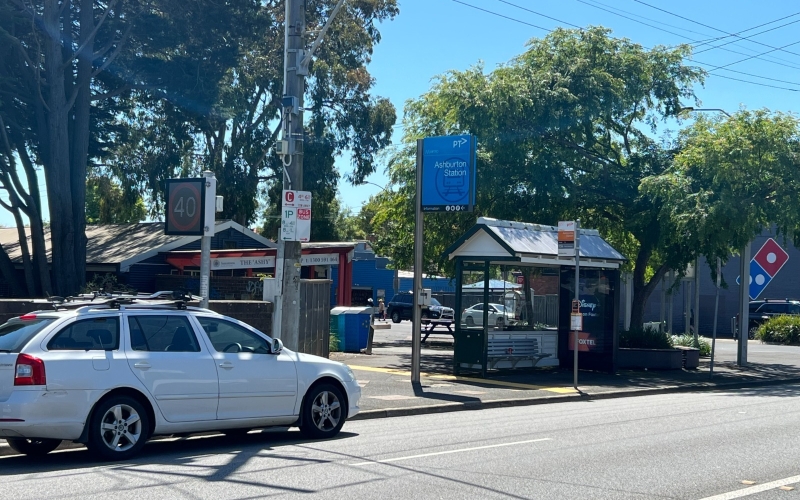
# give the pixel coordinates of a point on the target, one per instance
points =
(448, 173)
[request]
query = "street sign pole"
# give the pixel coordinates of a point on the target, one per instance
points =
(416, 335)
(576, 344)
(209, 217)
(744, 305)
(716, 312)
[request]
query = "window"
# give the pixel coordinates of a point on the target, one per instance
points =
(15, 334)
(229, 337)
(774, 309)
(435, 302)
(162, 333)
(477, 307)
(96, 334)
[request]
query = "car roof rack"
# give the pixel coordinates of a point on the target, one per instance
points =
(103, 300)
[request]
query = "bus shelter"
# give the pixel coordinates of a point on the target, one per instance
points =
(526, 322)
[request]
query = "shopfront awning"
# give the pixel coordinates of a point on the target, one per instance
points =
(506, 242)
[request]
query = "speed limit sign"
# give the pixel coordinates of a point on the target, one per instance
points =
(185, 207)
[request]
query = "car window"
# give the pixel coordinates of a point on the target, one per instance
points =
(492, 309)
(406, 299)
(795, 309)
(774, 309)
(478, 307)
(96, 334)
(435, 302)
(230, 337)
(15, 334)
(162, 334)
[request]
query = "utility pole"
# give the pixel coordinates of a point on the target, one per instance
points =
(288, 264)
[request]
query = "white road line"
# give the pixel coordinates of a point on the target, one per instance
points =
(462, 450)
(752, 490)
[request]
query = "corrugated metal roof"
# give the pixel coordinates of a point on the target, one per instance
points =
(119, 243)
(525, 240)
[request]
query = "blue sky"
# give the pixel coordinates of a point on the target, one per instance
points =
(430, 37)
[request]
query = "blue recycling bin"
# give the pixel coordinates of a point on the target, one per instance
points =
(350, 327)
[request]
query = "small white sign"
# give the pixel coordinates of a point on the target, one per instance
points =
(220, 263)
(566, 238)
(576, 322)
(296, 215)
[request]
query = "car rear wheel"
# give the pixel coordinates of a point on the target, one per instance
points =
(323, 412)
(470, 321)
(33, 447)
(500, 322)
(119, 428)
(395, 317)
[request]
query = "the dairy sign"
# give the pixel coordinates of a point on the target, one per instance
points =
(448, 173)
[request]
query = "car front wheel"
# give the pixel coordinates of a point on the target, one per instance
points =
(395, 317)
(323, 412)
(119, 428)
(33, 447)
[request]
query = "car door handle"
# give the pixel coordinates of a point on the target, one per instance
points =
(141, 365)
(226, 364)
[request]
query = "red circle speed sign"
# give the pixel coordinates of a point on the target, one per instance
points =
(185, 206)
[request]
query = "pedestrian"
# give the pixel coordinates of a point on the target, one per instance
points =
(381, 310)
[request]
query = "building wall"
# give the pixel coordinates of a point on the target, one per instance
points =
(784, 285)
(220, 288)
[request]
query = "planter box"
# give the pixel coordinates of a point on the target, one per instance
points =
(691, 357)
(652, 359)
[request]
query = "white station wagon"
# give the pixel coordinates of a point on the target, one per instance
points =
(113, 374)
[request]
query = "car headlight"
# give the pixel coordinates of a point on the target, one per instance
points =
(350, 373)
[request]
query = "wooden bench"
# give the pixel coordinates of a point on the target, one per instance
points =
(513, 349)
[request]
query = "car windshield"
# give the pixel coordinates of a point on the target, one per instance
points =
(435, 302)
(16, 333)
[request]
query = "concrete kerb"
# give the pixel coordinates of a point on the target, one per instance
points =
(562, 398)
(6, 450)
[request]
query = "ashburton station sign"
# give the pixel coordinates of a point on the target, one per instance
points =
(448, 173)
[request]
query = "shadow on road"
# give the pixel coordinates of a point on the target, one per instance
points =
(182, 451)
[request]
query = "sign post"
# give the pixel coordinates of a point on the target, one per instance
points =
(445, 183)
(569, 244)
(191, 211)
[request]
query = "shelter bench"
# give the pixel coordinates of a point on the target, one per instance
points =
(514, 349)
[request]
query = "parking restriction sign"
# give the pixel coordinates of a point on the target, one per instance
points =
(296, 216)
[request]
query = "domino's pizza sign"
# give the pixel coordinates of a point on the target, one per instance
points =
(764, 266)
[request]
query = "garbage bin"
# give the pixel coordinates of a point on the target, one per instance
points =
(350, 327)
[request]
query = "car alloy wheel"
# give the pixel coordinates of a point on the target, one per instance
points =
(324, 414)
(119, 428)
(33, 447)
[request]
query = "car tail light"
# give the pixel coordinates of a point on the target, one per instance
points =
(29, 371)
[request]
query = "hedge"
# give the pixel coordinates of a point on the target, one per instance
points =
(780, 330)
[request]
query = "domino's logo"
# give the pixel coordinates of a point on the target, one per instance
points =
(764, 266)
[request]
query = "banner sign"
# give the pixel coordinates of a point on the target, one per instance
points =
(448, 173)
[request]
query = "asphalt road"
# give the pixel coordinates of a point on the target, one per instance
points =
(692, 446)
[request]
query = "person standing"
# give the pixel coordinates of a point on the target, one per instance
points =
(381, 310)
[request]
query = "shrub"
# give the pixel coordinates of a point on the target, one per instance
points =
(333, 344)
(645, 338)
(780, 330)
(688, 341)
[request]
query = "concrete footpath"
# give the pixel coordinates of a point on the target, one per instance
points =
(387, 390)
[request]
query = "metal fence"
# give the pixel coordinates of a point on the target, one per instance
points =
(315, 313)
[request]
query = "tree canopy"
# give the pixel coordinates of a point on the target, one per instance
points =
(564, 131)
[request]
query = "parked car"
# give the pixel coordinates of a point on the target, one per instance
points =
(762, 310)
(402, 307)
(112, 375)
(498, 315)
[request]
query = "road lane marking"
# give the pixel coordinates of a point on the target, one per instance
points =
(499, 383)
(448, 452)
(752, 490)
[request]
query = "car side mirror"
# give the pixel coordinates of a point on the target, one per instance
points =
(277, 346)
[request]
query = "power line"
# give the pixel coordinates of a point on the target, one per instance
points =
(708, 26)
(789, 65)
(753, 57)
(698, 62)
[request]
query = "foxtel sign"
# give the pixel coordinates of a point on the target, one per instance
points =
(586, 342)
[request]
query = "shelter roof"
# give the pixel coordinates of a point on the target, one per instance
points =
(533, 244)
